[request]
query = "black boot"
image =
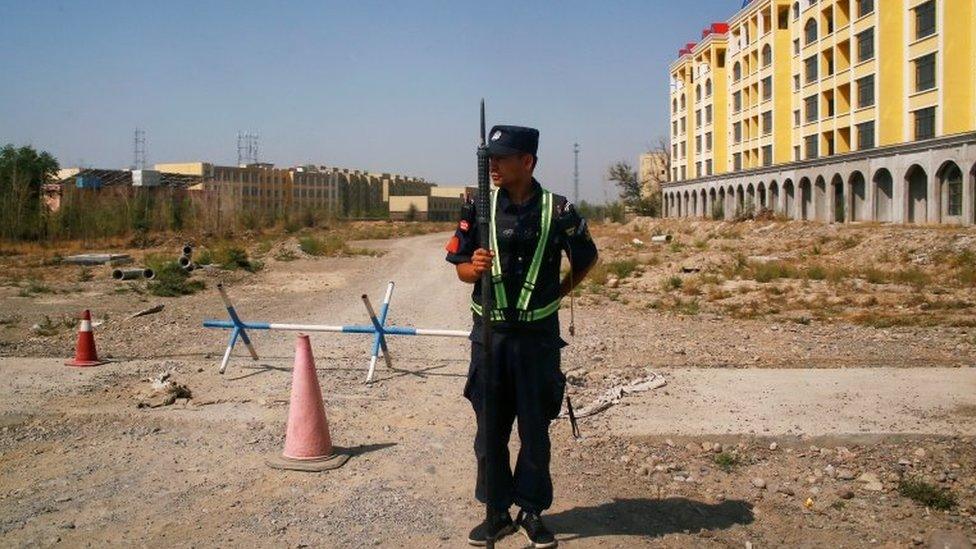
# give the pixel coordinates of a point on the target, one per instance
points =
(501, 526)
(530, 524)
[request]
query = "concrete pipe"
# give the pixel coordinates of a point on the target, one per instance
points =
(661, 238)
(148, 274)
(191, 266)
(185, 260)
(187, 250)
(128, 274)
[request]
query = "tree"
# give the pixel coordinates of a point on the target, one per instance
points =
(630, 188)
(23, 172)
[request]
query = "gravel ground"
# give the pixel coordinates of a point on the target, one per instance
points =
(82, 465)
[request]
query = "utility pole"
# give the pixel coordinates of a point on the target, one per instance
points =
(576, 151)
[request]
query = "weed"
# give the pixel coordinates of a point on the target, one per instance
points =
(233, 258)
(173, 281)
(85, 275)
(927, 494)
(726, 461)
(285, 254)
(672, 283)
(622, 268)
(912, 276)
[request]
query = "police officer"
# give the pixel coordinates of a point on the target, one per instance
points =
(531, 227)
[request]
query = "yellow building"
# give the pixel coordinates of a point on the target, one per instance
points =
(830, 110)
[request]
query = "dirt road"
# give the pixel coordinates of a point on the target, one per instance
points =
(81, 465)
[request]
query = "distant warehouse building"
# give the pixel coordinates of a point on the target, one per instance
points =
(443, 204)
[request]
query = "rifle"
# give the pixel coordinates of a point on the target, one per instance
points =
(487, 400)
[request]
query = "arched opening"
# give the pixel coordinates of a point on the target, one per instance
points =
(733, 199)
(703, 202)
(789, 202)
(682, 102)
(708, 88)
(718, 212)
(774, 196)
(859, 198)
(820, 200)
(761, 196)
(712, 202)
(837, 188)
(767, 56)
(951, 184)
(736, 72)
(806, 199)
(917, 195)
(698, 91)
(883, 194)
(688, 205)
(750, 208)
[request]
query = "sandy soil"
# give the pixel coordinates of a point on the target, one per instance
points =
(82, 465)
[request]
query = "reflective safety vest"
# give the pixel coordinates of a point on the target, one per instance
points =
(524, 314)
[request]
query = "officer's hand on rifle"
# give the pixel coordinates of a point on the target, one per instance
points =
(481, 260)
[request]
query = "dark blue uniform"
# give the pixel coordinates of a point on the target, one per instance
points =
(528, 382)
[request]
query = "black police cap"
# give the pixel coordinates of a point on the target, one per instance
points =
(509, 140)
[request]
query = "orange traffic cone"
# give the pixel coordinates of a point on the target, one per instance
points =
(85, 354)
(308, 446)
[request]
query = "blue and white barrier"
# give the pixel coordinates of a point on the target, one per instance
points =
(378, 328)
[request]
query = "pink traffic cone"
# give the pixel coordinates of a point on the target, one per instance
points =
(308, 446)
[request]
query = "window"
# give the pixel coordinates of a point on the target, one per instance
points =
(708, 141)
(796, 118)
(674, 105)
(811, 106)
(767, 155)
(829, 99)
(925, 20)
(708, 114)
(865, 91)
(767, 122)
(796, 10)
(864, 7)
(736, 101)
(767, 85)
(682, 102)
(810, 31)
(675, 147)
(698, 95)
(737, 72)
(953, 183)
(767, 56)
(683, 173)
(708, 88)
(865, 45)
(796, 82)
(698, 144)
(698, 172)
(796, 47)
(812, 144)
(925, 72)
(674, 128)
(737, 132)
(810, 66)
(796, 153)
(684, 150)
(683, 125)
(865, 136)
(925, 123)
(708, 167)
(737, 161)
(698, 118)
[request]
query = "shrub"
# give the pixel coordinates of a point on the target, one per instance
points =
(622, 268)
(927, 494)
(726, 461)
(173, 281)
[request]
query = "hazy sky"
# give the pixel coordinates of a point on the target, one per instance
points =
(382, 86)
